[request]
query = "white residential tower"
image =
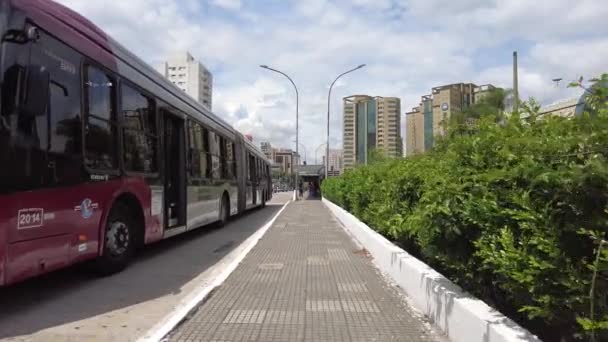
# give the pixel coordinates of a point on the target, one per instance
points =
(190, 76)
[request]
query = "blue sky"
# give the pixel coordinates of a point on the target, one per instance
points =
(409, 46)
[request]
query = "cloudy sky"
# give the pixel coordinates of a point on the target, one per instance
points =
(409, 46)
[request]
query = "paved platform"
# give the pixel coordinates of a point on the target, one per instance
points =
(304, 281)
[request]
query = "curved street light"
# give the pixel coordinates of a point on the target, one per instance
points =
(328, 101)
(297, 119)
(317, 150)
(305, 158)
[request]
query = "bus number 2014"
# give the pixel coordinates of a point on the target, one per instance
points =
(30, 218)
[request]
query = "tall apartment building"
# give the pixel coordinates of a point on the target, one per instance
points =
(429, 120)
(336, 162)
(370, 123)
(190, 76)
(414, 125)
(285, 160)
(267, 149)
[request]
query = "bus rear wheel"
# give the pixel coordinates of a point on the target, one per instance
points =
(119, 241)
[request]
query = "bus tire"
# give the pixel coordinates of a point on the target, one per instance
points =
(119, 241)
(264, 199)
(224, 211)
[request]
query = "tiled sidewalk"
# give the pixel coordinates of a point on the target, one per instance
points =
(304, 281)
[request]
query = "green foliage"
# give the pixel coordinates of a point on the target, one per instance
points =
(375, 156)
(491, 104)
(510, 209)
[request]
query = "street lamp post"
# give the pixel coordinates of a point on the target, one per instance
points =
(305, 157)
(328, 101)
(317, 150)
(297, 117)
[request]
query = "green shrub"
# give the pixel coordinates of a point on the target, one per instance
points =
(511, 209)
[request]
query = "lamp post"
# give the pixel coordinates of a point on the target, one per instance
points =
(328, 101)
(317, 150)
(305, 157)
(297, 118)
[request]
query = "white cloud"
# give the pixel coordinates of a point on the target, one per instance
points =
(228, 4)
(409, 46)
(571, 59)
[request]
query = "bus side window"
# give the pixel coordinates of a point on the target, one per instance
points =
(196, 152)
(207, 152)
(214, 155)
(230, 162)
(139, 131)
(251, 167)
(257, 170)
(100, 128)
(222, 158)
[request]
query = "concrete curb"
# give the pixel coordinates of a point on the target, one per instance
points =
(460, 316)
(231, 261)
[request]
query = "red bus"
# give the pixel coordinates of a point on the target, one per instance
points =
(99, 153)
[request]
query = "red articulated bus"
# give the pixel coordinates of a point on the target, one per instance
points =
(99, 153)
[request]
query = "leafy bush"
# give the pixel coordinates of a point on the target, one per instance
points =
(512, 210)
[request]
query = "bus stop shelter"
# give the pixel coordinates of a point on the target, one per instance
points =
(311, 174)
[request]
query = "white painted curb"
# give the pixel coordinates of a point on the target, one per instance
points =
(460, 316)
(164, 327)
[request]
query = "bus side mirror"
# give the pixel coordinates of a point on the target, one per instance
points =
(37, 88)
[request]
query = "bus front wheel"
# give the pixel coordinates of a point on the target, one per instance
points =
(119, 241)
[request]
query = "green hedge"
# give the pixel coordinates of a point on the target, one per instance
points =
(511, 211)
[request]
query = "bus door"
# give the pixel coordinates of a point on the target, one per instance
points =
(175, 171)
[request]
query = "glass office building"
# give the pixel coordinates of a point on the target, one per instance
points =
(370, 123)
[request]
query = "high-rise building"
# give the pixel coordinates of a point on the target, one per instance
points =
(336, 163)
(414, 125)
(430, 118)
(190, 76)
(371, 123)
(266, 149)
(285, 160)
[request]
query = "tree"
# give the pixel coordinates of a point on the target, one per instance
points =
(493, 103)
(376, 156)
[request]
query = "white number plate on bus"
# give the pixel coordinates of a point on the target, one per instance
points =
(30, 218)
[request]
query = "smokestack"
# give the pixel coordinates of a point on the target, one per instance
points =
(515, 84)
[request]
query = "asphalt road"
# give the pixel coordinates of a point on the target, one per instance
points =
(74, 305)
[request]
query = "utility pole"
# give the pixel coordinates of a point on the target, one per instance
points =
(515, 84)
